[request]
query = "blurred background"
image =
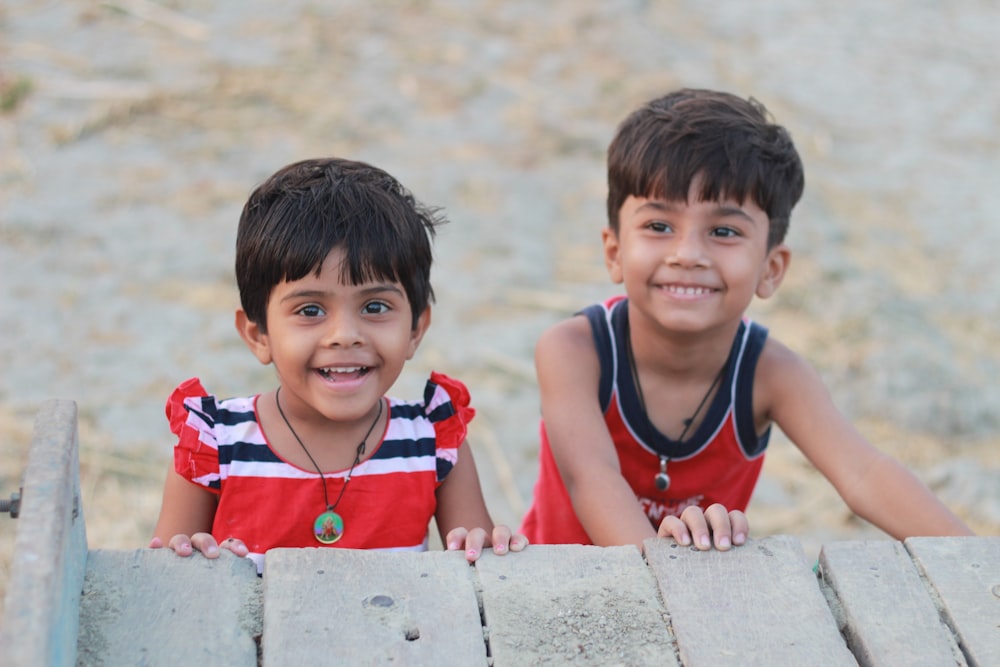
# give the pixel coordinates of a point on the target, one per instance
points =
(132, 131)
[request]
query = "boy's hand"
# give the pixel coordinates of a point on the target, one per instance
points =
(698, 528)
(183, 545)
(473, 541)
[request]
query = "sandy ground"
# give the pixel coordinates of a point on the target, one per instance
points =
(131, 133)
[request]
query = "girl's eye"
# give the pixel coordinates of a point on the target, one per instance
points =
(375, 308)
(311, 310)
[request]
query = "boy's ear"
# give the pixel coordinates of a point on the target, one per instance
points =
(776, 265)
(417, 334)
(612, 255)
(253, 336)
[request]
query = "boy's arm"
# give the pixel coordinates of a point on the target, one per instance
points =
(874, 485)
(568, 374)
(462, 518)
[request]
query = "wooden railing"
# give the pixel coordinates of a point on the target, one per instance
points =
(928, 601)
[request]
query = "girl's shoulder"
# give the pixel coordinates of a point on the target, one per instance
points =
(190, 404)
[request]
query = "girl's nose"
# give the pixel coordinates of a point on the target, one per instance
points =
(342, 331)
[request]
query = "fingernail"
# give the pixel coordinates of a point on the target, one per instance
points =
(704, 541)
(211, 551)
(471, 553)
(724, 542)
(739, 538)
(500, 548)
(685, 540)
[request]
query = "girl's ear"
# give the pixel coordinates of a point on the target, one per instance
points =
(254, 336)
(417, 334)
(612, 255)
(775, 265)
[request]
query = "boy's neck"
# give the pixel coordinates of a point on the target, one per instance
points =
(680, 353)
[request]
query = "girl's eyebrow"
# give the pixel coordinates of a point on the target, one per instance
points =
(367, 291)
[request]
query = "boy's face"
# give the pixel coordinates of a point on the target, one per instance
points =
(337, 348)
(694, 265)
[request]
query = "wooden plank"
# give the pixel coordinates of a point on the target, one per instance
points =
(964, 573)
(41, 607)
(883, 606)
(349, 607)
(574, 604)
(758, 604)
(151, 607)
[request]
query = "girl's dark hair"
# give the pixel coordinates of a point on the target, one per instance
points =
(295, 218)
(727, 142)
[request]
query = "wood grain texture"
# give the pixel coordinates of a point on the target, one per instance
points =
(758, 604)
(151, 607)
(576, 604)
(964, 573)
(883, 606)
(349, 607)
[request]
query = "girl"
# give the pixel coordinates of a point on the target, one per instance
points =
(333, 265)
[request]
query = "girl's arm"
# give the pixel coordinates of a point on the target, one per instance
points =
(186, 517)
(462, 518)
(874, 485)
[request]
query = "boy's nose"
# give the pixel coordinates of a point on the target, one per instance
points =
(686, 250)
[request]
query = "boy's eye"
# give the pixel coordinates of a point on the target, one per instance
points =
(375, 308)
(311, 310)
(725, 232)
(658, 226)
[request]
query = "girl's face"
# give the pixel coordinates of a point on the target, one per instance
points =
(337, 348)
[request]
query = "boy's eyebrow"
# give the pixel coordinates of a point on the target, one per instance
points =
(720, 211)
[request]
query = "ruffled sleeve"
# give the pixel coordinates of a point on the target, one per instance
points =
(446, 404)
(191, 412)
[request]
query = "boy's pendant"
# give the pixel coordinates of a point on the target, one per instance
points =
(329, 527)
(662, 479)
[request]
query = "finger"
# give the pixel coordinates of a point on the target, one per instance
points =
(694, 519)
(236, 546)
(181, 544)
(518, 542)
(206, 544)
(455, 539)
(718, 518)
(672, 526)
(155, 543)
(741, 527)
(474, 542)
(501, 539)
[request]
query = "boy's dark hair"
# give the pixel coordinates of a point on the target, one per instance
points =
(730, 143)
(295, 218)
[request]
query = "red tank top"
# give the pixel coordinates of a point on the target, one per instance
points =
(719, 463)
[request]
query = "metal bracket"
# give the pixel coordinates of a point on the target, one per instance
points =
(13, 505)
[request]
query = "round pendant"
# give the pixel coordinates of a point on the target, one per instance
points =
(662, 481)
(328, 527)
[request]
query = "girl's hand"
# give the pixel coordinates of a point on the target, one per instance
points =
(183, 545)
(728, 528)
(473, 541)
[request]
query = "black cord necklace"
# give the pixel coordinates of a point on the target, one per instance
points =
(662, 479)
(329, 526)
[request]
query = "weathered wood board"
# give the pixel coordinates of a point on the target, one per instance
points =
(347, 607)
(575, 605)
(41, 606)
(151, 607)
(758, 604)
(964, 573)
(884, 608)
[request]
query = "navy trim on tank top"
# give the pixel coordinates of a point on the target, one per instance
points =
(609, 327)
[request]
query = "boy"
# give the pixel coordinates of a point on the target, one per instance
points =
(657, 405)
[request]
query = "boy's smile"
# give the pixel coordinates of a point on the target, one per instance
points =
(695, 265)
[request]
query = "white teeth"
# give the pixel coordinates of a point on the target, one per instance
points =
(352, 369)
(691, 291)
